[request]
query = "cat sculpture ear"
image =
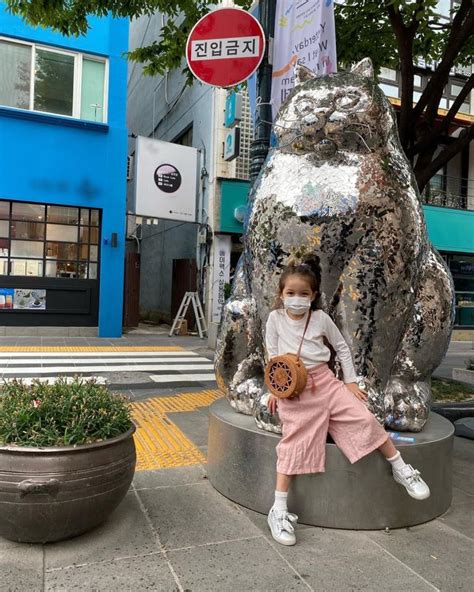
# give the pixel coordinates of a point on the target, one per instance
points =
(364, 68)
(302, 74)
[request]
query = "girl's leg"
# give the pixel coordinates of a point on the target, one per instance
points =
(404, 474)
(280, 521)
(388, 449)
(283, 482)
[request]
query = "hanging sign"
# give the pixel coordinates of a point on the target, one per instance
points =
(304, 33)
(165, 180)
(225, 47)
(232, 144)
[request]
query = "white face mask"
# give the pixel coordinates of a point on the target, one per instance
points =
(297, 304)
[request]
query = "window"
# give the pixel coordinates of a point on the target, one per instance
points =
(52, 241)
(51, 80)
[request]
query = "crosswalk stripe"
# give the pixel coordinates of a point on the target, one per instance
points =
(102, 369)
(60, 361)
(98, 354)
(182, 377)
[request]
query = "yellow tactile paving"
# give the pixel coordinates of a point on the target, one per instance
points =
(160, 443)
(118, 348)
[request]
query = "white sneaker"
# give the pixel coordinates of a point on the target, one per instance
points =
(281, 524)
(412, 482)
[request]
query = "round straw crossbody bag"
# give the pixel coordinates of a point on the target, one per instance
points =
(286, 375)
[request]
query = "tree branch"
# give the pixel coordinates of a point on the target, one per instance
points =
(426, 172)
(461, 29)
(443, 127)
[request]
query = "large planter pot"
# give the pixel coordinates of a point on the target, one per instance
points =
(50, 494)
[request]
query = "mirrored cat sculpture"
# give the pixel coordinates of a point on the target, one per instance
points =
(338, 185)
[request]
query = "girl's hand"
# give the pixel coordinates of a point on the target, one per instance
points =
(355, 390)
(272, 404)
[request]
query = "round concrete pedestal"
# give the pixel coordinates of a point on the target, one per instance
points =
(241, 466)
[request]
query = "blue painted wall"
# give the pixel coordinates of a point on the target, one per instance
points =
(71, 162)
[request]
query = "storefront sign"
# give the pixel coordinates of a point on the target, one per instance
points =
(166, 180)
(222, 248)
(225, 47)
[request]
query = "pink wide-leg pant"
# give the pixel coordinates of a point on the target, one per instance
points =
(326, 405)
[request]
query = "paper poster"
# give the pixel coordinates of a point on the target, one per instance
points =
(6, 298)
(25, 299)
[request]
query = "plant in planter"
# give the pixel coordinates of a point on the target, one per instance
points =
(67, 458)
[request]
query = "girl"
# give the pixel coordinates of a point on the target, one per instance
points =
(326, 404)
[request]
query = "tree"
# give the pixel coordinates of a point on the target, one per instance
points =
(397, 34)
(394, 33)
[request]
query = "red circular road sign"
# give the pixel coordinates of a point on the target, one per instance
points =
(225, 47)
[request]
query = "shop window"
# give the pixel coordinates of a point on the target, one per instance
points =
(4, 210)
(63, 215)
(4, 228)
(26, 211)
(61, 82)
(41, 240)
(59, 232)
(26, 267)
(21, 248)
(61, 251)
(27, 230)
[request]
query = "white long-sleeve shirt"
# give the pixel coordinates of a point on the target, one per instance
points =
(283, 336)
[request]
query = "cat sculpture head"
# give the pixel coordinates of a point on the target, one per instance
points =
(335, 116)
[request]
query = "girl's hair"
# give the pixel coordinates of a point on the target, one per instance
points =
(310, 270)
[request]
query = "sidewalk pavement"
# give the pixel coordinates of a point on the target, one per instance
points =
(174, 532)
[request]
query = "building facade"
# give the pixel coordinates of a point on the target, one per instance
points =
(63, 149)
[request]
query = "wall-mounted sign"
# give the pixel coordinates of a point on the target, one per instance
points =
(233, 109)
(6, 298)
(29, 299)
(225, 47)
(232, 144)
(165, 180)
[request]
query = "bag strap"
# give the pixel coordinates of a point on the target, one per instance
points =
(302, 338)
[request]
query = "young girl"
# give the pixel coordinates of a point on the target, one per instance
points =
(326, 405)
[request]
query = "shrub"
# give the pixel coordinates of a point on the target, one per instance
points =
(61, 413)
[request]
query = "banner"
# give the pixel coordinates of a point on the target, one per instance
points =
(304, 33)
(222, 248)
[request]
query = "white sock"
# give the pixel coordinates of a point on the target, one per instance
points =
(397, 462)
(281, 500)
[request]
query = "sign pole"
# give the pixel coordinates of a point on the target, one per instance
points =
(261, 142)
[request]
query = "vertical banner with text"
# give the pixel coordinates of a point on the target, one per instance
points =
(222, 248)
(304, 33)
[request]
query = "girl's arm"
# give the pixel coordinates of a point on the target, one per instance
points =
(342, 349)
(271, 336)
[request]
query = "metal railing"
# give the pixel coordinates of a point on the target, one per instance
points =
(445, 199)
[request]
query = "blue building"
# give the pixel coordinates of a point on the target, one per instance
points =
(63, 151)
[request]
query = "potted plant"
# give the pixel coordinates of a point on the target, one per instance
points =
(67, 458)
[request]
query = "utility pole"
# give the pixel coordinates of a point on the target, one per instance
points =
(263, 115)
